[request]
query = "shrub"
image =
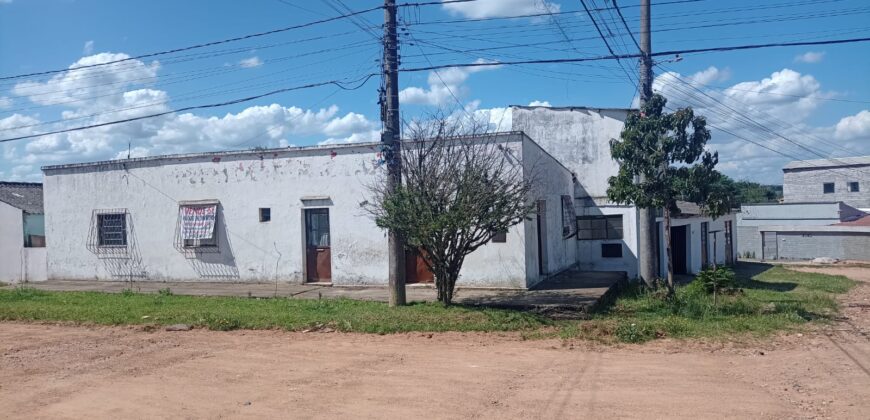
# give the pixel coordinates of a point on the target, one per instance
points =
(714, 280)
(164, 292)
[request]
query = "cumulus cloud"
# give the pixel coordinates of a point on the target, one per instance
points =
(251, 62)
(5, 102)
(854, 127)
(445, 86)
(101, 94)
(88, 49)
(539, 103)
(811, 57)
(500, 8)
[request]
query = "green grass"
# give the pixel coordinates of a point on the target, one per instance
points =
(227, 313)
(770, 299)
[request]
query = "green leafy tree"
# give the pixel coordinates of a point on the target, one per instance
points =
(668, 149)
(460, 187)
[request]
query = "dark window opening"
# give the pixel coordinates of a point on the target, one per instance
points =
(569, 214)
(265, 214)
(611, 250)
(112, 229)
(854, 187)
(500, 237)
(828, 187)
(599, 227)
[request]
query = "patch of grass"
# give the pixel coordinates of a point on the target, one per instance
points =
(228, 313)
(768, 299)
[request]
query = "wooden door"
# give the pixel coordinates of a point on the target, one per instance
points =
(705, 232)
(416, 270)
(318, 255)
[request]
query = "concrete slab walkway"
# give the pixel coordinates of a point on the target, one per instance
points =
(568, 292)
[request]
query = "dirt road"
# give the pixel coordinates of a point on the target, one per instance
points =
(51, 371)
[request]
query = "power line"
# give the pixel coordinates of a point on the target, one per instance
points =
(362, 81)
(655, 54)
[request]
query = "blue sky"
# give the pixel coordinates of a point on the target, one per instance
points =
(814, 101)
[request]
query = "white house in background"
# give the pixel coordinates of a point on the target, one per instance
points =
(22, 232)
(580, 137)
(291, 214)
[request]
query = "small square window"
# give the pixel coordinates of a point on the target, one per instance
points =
(265, 214)
(112, 229)
(500, 237)
(854, 187)
(611, 250)
(828, 187)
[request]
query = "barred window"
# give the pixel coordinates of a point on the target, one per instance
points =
(112, 229)
(199, 225)
(599, 227)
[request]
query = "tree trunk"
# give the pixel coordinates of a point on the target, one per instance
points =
(670, 258)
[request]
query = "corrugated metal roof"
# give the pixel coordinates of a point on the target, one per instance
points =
(827, 163)
(26, 196)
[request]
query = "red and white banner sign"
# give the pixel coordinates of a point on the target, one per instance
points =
(198, 222)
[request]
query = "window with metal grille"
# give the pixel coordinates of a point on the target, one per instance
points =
(200, 226)
(828, 188)
(500, 237)
(112, 229)
(599, 227)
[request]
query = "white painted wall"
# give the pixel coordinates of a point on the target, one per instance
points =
(589, 251)
(693, 232)
(17, 263)
(11, 243)
(150, 188)
(551, 181)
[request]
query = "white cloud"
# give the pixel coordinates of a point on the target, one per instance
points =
(811, 57)
(500, 8)
(5, 102)
(539, 103)
(88, 49)
(83, 92)
(5, 1)
(445, 86)
(251, 62)
(854, 127)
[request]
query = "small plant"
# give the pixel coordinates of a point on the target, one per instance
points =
(164, 292)
(127, 292)
(634, 333)
(714, 280)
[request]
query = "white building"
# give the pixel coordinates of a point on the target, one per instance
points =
(291, 214)
(294, 214)
(580, 138)
(22, 232)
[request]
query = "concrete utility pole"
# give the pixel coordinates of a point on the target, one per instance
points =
(647, 216)
(390, 137)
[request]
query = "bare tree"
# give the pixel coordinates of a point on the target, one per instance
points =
(461, 185)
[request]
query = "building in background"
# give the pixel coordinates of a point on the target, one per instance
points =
(824, 213)
(22, 232)
(845, 180)
(607, 237)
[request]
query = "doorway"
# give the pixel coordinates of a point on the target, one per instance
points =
(542, 236)
(679, 249)
(318, 254)
(416, 270)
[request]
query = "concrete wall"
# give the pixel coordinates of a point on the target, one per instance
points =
(17, 263)
(150, 189)
(789, 214)
(805, 185)
(551, 180)
(578, 137)
(589, 251)
(805, 243)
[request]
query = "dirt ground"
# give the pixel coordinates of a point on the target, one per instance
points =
(51, 371)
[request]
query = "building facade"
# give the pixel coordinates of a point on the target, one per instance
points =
(845, 180)
(22, 233)
(292, 214)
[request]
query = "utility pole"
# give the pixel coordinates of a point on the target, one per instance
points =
(646, 216)
(390, 138)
